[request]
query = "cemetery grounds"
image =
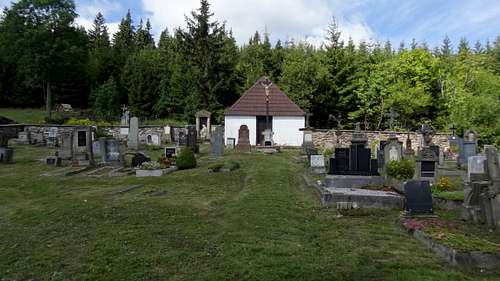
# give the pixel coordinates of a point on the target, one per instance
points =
(256, 223)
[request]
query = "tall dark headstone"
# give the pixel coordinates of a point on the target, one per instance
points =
(192, 141)
(418, 197)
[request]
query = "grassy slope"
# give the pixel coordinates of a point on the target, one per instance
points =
(27, 116)
(257, 223)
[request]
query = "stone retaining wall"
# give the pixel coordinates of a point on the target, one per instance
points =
(342, 138)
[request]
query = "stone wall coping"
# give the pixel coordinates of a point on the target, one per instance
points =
(72, 126)
(371, 132)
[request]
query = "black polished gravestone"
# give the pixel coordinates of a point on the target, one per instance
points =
(340, 164)
(427, 169)
(418, 198)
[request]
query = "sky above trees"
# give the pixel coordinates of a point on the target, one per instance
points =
(394, 20)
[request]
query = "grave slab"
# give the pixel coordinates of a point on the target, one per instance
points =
(362, 198)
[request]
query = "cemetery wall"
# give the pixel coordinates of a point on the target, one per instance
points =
(342, 138)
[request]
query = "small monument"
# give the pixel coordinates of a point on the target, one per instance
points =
(317, 165)
(409, 151)
(482, 194)
(82, 147)
(133, 135)
(217, 141)
(192, 139)
(111, 152)
(418, 198)
(428, 156)
(243, 139)
(468, 147)
(6, 155)
(203, 121)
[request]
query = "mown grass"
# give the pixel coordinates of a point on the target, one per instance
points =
(256, 223)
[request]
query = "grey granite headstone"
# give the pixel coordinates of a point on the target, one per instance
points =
(192, 141)
(393, 151)
(111, 152)
(66, 149)
(217, 141)
(133, 135)
(6, 155)
(52, 137)
(476, 167)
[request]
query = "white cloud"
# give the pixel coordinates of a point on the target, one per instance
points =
(284, 19)
(88, 11)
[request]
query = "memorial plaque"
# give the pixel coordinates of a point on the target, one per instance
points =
(170, 152)
(418, 197)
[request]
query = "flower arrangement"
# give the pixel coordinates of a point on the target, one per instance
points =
(153, 165)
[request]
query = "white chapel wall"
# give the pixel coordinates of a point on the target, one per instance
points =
(232, 125)
(287, 130)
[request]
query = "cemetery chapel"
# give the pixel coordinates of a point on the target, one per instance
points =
(260, 111)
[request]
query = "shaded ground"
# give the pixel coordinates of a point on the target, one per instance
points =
(257, 223)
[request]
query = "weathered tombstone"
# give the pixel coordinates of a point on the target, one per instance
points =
(268, 137)
(340, 164)
(476, 170)
(111, 152)
(231, 143)
(167, 131)
(133, 136)
(66, 148)
(428, 156)
(307, 143)
(52, 136)
(203, 121)
(6, 155)
(181, 138)
(82, 147)
(192, 139)
(468, 147)
(153, 139)
(409, 151)
(317, 164)
(418, 197)
(393, 151)
(217, 141)
(243, 139)
(491, 198)
(23, 137)
(125, 118)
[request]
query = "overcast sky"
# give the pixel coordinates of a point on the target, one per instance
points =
(394, 20)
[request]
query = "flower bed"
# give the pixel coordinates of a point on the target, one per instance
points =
(451, 240)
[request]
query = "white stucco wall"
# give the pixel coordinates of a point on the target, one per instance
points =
(287, 130)
(232, 125)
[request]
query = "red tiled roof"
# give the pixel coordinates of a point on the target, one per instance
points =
(253, 102)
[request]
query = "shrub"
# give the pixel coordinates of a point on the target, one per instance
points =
(101, 133)
(79, 122)
(442, 185)
(55, 120)
(327, 152)
(186, 159)
(401, 170)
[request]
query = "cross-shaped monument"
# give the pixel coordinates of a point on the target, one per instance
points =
(392, 115)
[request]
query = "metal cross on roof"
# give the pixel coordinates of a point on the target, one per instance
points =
(392, 115)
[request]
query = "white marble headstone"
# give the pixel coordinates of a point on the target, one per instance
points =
(317, 161)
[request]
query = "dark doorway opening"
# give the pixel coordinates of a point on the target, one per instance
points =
(261, 126)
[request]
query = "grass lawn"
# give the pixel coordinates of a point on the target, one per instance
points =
(256, 223)
(26, 116)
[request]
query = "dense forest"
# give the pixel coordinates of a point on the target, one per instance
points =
(46, 58)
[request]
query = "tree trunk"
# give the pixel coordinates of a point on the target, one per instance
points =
(48, 100)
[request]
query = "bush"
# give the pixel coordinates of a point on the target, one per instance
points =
(327, 152)
(79, 122)
(186, 159)
(232, 165)
(401, 170)
(444, 184)
(54, 120)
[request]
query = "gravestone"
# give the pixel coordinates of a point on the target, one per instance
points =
(476, 170)
(307, 143)
(340, 164)
(182, 138)
(6, 155)
(428, 156)
(23, 137)
(217, 141)
(111, 152)
(66, 148)
(82, 147)
(203, 121)
(454, 150)
(409, 151)
(125, 118)
(393, 150)
(268, 137)
(52, 137)
(133, 136)
(468, 147)
(317, 164)
(153, 139)
(192, 141)
(53, 161)
(418, 198)
(230, 143)
(243, 139)
(170, 152)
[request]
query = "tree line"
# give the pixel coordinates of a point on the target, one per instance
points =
(46, 58)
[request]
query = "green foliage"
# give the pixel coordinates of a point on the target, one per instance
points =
(186, 159)
(401, 170)
(232, 165)
(216, 167)
(444, 184)
(105, 100)
(79, 122)
(54, 120)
